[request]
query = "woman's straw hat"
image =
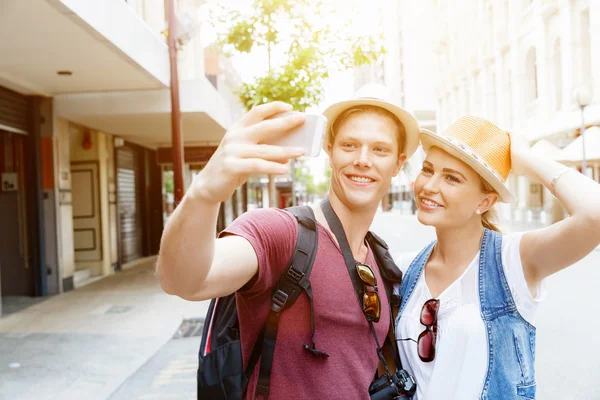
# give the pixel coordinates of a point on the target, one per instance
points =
(377, 95)
(481, 145)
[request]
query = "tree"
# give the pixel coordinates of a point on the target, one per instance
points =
(303, 176)
(302, 33)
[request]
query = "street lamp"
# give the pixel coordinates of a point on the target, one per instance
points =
(583, 98)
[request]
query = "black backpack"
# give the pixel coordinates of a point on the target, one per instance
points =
(221, 375)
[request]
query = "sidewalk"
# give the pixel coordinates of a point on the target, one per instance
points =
(84, 344)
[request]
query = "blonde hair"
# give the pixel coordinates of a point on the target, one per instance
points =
(490, 217)
(339, 120)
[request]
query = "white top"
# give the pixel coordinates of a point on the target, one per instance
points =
(461, 354)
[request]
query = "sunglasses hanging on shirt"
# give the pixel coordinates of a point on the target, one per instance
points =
(361, 275)
(395, 385)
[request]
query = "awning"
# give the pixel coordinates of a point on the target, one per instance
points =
(144, 116)
(574, 151)
(104, 44)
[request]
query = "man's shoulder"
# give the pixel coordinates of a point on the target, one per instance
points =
(264, 223)
(265, 216)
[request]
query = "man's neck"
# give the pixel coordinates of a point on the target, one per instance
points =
(356, 224)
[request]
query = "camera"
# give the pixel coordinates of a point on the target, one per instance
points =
(402, 384)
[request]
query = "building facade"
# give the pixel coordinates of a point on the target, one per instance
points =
(84, 115)
(517, 64)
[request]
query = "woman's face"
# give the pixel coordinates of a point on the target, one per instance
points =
(448, 192)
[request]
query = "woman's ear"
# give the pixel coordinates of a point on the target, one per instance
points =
(488, 202)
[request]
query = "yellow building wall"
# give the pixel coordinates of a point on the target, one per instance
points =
(66, 253)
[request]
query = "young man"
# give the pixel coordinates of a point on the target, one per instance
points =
(367, 140)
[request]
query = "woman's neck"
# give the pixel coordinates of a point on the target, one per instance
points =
(456, 246)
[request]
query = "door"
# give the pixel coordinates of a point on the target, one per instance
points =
(130, 231)
(16, 275)
(86, 212)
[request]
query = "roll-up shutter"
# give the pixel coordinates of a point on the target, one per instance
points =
(129, 204)
(13, 111)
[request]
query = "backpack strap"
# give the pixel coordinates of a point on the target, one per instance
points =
(387, 266)
(391, 274)
(290, 285)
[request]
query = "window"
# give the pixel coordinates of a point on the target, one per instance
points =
(531, 83)
(508, 99)
(477, 100)
(557, 78)
(448, 117)
(491, 97)
(585, 49)
(490, 27)
(506, 89)
(441, 109)
(455, 105)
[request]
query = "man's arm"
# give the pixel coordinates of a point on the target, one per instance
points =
(232, 264)
(192, 263)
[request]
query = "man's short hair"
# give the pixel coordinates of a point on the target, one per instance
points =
(400, 130)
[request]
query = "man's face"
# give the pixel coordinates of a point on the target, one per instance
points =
(364, 157)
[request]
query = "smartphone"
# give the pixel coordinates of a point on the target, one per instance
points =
(309, 135)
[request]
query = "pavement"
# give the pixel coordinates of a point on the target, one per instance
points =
(169, 375)
(86, 343)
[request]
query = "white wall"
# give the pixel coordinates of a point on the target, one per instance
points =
(417, 54)
(487, 60)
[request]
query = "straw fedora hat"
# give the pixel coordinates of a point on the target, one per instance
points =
(376, 95)
(481, 145)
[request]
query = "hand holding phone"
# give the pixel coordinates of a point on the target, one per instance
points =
(243, 152)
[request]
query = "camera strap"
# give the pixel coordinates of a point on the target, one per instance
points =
(338, 230)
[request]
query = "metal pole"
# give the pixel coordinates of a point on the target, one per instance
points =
(177, 143)
(272, 192)
(293, 168)
(583, 161)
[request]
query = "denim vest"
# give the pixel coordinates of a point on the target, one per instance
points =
(511, 339)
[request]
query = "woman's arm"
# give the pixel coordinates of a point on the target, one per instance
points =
(551, 249)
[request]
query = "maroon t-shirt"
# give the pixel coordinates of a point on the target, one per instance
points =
(341, 329)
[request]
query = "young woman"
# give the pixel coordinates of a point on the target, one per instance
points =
(469, 299)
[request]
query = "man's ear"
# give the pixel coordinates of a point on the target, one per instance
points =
(328, 151)
(400, 162)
